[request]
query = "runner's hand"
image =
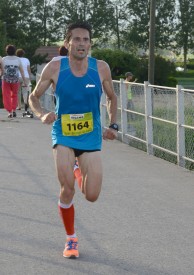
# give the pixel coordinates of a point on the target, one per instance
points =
(110, 134)
(48, 118)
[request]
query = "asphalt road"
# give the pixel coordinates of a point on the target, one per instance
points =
(143, 222)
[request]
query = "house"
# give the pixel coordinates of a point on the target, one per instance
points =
(51, 51)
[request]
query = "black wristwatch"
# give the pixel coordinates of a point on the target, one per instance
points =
(114, 126)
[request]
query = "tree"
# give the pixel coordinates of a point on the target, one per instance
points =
(8, 18)
(138, 23)
(185, 33)
(97, 12)
(119, 19)
(44, 25)
(3, 38)
(119, 61)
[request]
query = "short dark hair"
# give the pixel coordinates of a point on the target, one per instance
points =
(80, 24)
(20, 52)
(63, 51)
(10, 49)
(128, 74)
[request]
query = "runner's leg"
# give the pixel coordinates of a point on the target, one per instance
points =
(91, 169)
(64, 162)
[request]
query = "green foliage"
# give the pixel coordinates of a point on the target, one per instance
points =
(2, 40)
(190, 66)
(120, 62)
(171, 81)
(98, 13)
(138, 29)
(184, 27)
(186, 79)
(116, 24)
(163, 70)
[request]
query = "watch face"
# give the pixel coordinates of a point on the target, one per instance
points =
(114, 126)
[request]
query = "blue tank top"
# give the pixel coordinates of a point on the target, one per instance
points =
(78, 108)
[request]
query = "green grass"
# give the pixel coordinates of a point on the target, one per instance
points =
(185, 79)
(165, 135)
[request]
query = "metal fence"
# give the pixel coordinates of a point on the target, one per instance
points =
(158, 120)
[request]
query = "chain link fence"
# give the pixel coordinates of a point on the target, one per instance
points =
(159, 121)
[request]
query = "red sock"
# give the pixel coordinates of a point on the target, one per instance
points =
(78, 176)
(67, 216)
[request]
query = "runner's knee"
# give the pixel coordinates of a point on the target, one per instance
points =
(91, 197)
(66, 194)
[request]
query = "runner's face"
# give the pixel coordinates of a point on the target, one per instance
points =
(79, 43)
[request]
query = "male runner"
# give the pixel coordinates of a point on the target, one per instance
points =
(78, 81)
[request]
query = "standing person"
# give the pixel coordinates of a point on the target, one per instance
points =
(63, 52)
(78, 81)
(130, 104)
(24, 90)
(11, 66)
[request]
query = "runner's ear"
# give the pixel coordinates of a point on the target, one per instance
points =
(66, 44)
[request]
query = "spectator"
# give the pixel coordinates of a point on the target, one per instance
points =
(63, 52)
(24, 90)
(11, 66)
(130, 104)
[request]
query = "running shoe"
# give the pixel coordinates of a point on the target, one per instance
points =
(71, 248)
(14, 114)
(10, 115)
(76, 165)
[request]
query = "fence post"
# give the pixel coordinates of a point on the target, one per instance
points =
(180, 128)
(148, 114)
(123, 99)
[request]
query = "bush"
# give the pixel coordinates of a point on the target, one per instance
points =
(120, 62)
(190, 66)
(172, 82)
(163, 70)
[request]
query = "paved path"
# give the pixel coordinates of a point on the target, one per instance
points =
(143, 222)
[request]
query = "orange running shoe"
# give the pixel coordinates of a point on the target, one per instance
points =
(71, 248)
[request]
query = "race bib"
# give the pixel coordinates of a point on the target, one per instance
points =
(76, 124)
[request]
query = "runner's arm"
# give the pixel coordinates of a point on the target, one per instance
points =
(107, 84)
(109, 91)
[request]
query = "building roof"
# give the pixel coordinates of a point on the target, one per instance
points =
(52, 51)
